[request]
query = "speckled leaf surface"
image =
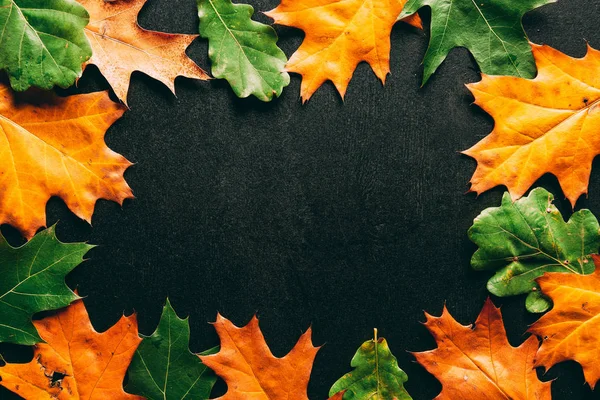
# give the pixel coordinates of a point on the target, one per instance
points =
(42, 42)
(376, 374)
(522, 240)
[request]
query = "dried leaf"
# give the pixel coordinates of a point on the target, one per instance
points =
(76, 362)
(121, 46)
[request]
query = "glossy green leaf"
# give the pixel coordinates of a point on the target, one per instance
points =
(42, 42)
(33, 280)
(376, 374)
(163, 366)
(522, 240)
(242, 51)
(490, 29)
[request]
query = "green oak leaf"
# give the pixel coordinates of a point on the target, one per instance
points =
(490, 29)
(376, 374)
(522, 240)
(242, 51)
(42, 42)
(33, 280)
(163, 366)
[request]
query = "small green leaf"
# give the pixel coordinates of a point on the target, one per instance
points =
(242, 51)
(33, 280)
(163, 366)
(522, 240)
(490, 29)
(376, 374)
(42, 42)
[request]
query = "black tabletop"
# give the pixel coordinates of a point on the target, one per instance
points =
(343, 215)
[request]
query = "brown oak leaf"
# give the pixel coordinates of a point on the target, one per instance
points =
(120, 46)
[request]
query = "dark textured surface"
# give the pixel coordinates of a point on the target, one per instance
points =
(346, 216)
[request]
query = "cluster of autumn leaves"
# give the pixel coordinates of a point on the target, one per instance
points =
(545, 107)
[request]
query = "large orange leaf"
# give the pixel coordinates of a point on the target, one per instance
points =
(479, 363)
(120, 46)
(570, 331)
(547, 124)
(76, 362)
(52, 146)
(252, 372)
(339, 35)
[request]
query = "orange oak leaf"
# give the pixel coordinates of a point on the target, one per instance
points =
(53, 146)
(479, 363)
(120, 46)
(547, 124)
(251, 371)
(76, 362)
(570, 330)
(338, 396)
(339, 35)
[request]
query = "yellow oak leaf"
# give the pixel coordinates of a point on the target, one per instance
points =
(550, 124)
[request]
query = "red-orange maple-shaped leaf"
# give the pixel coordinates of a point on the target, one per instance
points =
(93, 364)
(339, 35)
(120, 46)
(338, 396)
(252, 372)
(550, 124)
(479, 363)
(571, 330)
(54, 146)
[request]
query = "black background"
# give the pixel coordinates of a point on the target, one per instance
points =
(344, 215)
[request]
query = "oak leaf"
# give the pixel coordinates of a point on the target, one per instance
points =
(242, 51)
(376, 375)
(479, 363)
(42, 42)
(33, 280)
(163, 368)
(339, 35)
(490, 29)
(121, 47)
(76, 362)
(547, 124)
(248, 366)
(570, 330)
(54, 146)
(522, 240)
